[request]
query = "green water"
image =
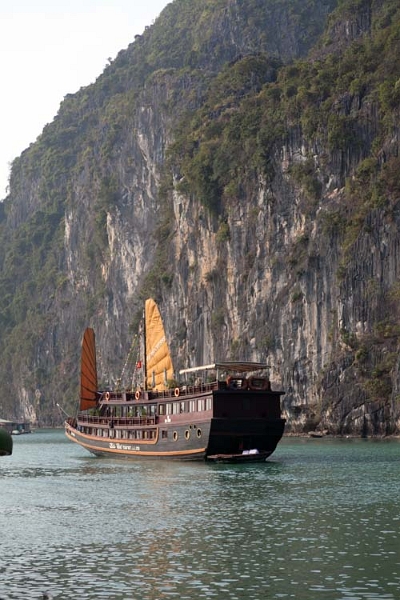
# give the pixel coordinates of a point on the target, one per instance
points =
(320, 520)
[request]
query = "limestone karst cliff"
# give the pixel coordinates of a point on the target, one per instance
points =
(239, 162)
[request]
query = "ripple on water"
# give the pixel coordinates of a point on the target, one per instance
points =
(319, 521)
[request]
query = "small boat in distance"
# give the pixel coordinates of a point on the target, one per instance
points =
(15, 427)
(221, 412)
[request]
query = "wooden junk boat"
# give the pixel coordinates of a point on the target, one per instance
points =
(232, 419)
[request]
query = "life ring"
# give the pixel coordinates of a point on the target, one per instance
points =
(176, 392)
(262, 385)
(107, 395)
(137, 395)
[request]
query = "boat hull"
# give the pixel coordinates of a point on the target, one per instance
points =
(237, 437)
(173, 447)
(217, 439)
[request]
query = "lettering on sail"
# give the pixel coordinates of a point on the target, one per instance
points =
(156, 348)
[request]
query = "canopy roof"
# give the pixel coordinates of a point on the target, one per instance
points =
(240, 366)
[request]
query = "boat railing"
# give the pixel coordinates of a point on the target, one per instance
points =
(117, 421)
(185, 390)
(199, 388)
(140, 395)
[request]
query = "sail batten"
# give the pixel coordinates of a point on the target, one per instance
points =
(88, 371)
(159, 367)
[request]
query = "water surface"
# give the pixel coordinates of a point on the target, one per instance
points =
(319, 520)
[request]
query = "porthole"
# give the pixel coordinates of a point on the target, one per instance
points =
(199, 433)
(175, 436)
(187, 434)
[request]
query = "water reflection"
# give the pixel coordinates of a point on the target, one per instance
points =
(319, 520)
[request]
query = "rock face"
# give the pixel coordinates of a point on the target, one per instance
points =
(275, 274)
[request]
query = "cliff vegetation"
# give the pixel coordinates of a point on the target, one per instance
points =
(239, 162)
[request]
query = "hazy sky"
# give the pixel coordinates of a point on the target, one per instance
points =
(51, 48)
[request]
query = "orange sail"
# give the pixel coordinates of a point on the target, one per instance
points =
(88, 371)
(159, 366)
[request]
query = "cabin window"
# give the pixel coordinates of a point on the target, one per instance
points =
(177, 408)
(138, 435)
(182, 407)
(201, 405)
(164, 434)
(105, 432)
(118, 434)
(193, 406)
(161, 409)
(208, 403)
(99, 432)
(153, 409)
(169, 409)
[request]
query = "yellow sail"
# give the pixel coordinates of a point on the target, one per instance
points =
(159, 366)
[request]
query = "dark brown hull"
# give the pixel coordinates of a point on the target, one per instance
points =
(220, 440)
